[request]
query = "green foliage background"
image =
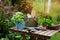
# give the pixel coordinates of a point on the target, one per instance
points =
(38, 6)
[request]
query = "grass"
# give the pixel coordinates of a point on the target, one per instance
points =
(56, 36)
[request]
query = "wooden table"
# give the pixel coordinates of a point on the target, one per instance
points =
(45, 35)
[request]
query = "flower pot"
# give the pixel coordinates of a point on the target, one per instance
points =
(55, 27)
(20, 25)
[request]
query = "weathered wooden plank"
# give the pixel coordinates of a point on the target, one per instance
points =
(53, 33)
(38, 31)
(49, 32)
(43, 32)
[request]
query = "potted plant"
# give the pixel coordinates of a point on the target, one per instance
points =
(51, 24)
(47, 23)
(41, 22)
(19, 20)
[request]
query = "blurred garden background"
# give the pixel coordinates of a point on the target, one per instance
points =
(36, 8)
